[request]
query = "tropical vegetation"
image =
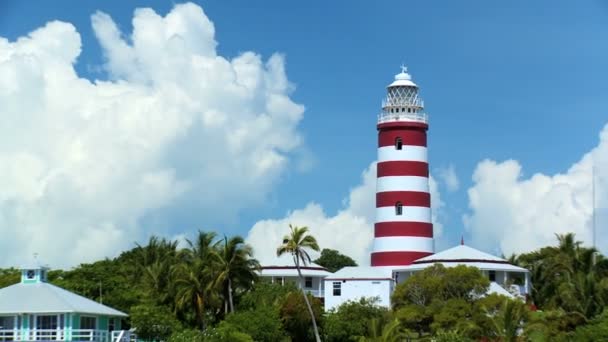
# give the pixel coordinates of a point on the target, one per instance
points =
(208, 290)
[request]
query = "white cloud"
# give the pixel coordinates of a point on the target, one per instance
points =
(518, 214)
(350, 231)
(82, 162)
(449, 178)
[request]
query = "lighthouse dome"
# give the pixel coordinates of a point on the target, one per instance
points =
(403, 79)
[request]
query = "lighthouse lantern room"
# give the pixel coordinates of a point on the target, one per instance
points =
(403, 230)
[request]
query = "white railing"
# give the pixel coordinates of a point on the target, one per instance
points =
(65, 335)
(314, 293)
(123, 336)
(8, 335)
(402, 117)
(403, 102)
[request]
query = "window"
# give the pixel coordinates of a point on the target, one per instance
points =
(492, 275)
(308, 282)
(398, 143)
(88, 322)
(337, 288)
(398, 208)
(112, 324)
(7, 322)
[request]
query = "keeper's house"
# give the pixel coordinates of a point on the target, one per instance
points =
(34, 310)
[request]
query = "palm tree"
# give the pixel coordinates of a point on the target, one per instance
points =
(296, 244)
(155, 261)
(193, 277)
(235, 266)
(388, 332)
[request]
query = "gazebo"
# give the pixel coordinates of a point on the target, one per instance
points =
(35, 310)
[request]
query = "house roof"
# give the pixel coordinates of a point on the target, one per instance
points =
(48, 298)
(283, 266)
(464, 255)
(362, 273)
(461, 253)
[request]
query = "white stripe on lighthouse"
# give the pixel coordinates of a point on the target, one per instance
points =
(403, 244)
(409, 214)
(402, 183)
(408, 152)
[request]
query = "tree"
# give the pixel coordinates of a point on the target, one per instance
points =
(296, 321)
(193, 278)
(235, 265)
(154, 322)
(569, 277)
(440, 299)
(333, 260)
(351, 319)
(262, 324)
(296, 244)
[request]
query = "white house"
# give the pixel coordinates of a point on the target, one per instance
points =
(282, 270)
(514, 279)
(352, 283)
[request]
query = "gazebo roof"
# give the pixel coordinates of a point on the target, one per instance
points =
(463, 255)
(47, 298)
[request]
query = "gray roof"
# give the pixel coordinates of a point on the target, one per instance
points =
(48, 298)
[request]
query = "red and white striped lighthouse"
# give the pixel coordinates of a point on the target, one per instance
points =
(403, 231)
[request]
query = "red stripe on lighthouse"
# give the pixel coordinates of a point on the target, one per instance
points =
(407, 198)
(420, 229)
(403, 168)
(416, 137)
(396, 258)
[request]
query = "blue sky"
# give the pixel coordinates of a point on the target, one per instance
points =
(502, 80)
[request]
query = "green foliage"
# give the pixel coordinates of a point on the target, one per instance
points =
(9, 277)
(596, 330)
(262, 324)
(333, 260)
(295, 317)
(351, 320)
(568, 277)
(439, 298)
(450, 336)
(226, 333)
(188, 335)
(267, 294)
(438, 283)
(154, 322)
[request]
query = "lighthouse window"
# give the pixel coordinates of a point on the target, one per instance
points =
(398, 143)
(398, 208)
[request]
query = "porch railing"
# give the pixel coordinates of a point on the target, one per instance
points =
(74, 335)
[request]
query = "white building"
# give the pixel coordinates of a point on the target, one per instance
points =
(500, 272)
(282, 270)
(353, 283)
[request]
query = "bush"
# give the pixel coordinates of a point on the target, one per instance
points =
(189, 335)
(351, 319)
(154, 322)
(262, 324)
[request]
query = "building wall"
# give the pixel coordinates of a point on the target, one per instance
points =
(356, 289)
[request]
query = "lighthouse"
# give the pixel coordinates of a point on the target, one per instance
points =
(403, 231)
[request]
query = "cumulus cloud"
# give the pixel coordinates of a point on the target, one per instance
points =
(449, 178)
(350, 231)
(174, 125)
(519, 214)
